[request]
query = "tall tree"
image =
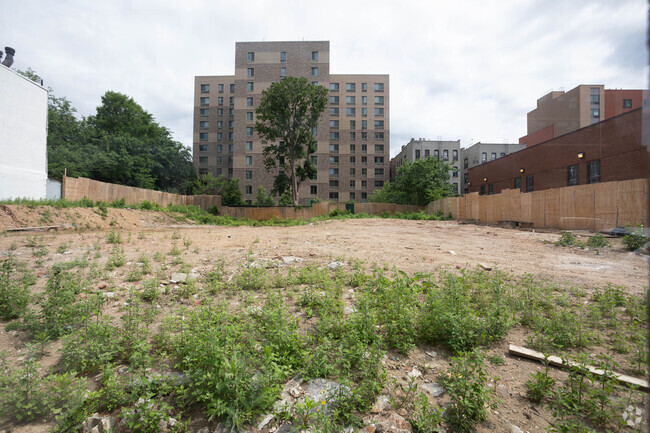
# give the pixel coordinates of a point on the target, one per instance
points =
(286, 118)
(419, 182)
(228, 189)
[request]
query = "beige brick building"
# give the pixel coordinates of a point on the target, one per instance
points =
(353, 136)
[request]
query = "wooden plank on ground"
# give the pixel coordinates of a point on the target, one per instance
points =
(27, 229)
(556, 361)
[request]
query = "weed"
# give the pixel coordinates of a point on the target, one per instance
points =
(425, 418)
(597, 241)
(114, 237)
(13, 246)
(251, 276)
(466, 382)
(14, 294)
(636, 239)
(540, 384)
(116, 259)
(63, 247)
(176, 235)
(150, 290)
(187, 243)
(175, 251)
(496, 360)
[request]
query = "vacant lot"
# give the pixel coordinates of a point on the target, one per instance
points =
(264, 305)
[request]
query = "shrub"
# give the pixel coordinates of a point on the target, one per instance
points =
(91, 346)
(14, 294)
(597, 241)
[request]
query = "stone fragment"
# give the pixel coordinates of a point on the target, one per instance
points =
(393, 423)
(485, 267)
(335, 265)
(380, 404)
(435, 389)
(453, 253)
(415, 373)
(178, 277)
(291, 259)
(267, 419)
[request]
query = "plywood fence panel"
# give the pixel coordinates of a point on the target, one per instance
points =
(537, 204)
(472, 206)
(584, 197)
(632, 203)
(462, 214)
(606, 205)
(551, 207)
(526, 205)
(482, 208)
(568, 208)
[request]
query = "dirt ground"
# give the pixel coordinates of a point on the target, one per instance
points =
(411, 246)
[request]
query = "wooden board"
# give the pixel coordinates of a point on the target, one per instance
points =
(556, 361)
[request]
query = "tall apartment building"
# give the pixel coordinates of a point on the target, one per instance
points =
(446, 151)
(353, 153)
(480, 153)
(560, 112)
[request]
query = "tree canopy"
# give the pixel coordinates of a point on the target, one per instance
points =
(121, 143)
(228, 189)
(286, 119)
(419, 182)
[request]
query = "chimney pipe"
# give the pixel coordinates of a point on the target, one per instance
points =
(9, 59)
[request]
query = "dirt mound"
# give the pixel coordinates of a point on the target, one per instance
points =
(20, 216)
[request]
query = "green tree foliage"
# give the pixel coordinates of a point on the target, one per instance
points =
(120, 144)
(419, 182)
(228, 189)
(263, 198)
(286, 118)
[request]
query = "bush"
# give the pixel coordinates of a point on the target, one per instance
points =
(597, 241)
(636, 239)
(14, 294)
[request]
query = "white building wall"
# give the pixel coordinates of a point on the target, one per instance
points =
(23, 137)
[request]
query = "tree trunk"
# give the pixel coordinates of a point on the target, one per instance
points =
(294, 183)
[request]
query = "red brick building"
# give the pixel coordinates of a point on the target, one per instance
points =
(606, 151)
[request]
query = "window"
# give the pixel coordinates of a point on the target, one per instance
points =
(353, 160)
(436, 154)
(334, 147)
(314, 56)
(364, 87)
(283, 57)
(231, 136)
(251, 57)
(364, 124)
(334, 195)
(364, 160)
(249, 174)
(249, 102)
(334, 111)
(353, 184)
(334, 183)
(251, 72)
(334, 172)
(465, 163)
(230, 149)
(517, 183)
(379, 87)
(205, 101)
(593, 172)
(364, 184)
(203, 171)
(454, 155)
(230, 171)
(364, 100)
(249, 160)
(350, 111)
(595, 113)
(502, 154)
(627, 103)
(364, 172)
(250, 87)
(249, 146)
(314, 72)
(353, 124)
(379, 148)
(219, 123)
(219, 148)
(334, 135)
(313, 189)
(334, 87)
(232, 100)
(353, 148)
(379, 111)
(379, 136)
(364, 136)
(417, 153)
(203, 136)
(595, 99)
(220, 100)
(350, 87)
(350, 100)
(219, 136)
(219, 111)
(232, 88)
(379, 124)
(352, 196)
(283, 72)
(482, 190)
(334, 100)
(572, 175)
(454, 173)
(231, 112)
(364, 195)
(379, 184)
(379, 172)
(249, 189)
(493, 156)
(530, 183)
(249, 117)
(314, 159)
(483, 157)
(203, 147)
(219, 160)
(334, 160)
(379, 100)
(490, 189)
(205, 88)
(203, 160)
(364, 111)
(204, 112)
(445, 155)
(219, 171)
(249, 131)
(353, 172)
(379, 159)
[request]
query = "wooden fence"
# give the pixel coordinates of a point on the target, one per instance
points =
(589, 207)
(81, 187)
(317, 209)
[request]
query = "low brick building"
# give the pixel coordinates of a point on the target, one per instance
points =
(606, 151)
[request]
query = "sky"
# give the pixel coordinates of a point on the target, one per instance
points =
(463, 69)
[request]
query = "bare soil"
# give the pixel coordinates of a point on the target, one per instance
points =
(411, 246)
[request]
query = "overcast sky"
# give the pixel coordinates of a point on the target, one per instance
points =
(467, 70)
